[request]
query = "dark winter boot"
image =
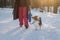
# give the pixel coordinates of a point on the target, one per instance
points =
(20, 25)
(26, 26)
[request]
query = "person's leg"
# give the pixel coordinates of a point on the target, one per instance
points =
(25, 15)
(21, 16)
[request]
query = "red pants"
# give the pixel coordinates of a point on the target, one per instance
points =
(23, 15)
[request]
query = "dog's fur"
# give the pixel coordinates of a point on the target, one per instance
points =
(40, 21)
(37, 19)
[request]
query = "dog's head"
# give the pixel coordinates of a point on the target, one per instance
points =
(35, 18)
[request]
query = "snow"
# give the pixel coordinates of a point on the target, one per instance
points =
(3, 15)
(10, 30)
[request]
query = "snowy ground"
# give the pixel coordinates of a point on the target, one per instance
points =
(10, 30)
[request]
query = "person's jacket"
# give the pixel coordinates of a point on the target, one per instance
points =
(19, 3)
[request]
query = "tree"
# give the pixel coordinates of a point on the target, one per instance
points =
(2, 3)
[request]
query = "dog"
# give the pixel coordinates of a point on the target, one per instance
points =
(37, 22)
